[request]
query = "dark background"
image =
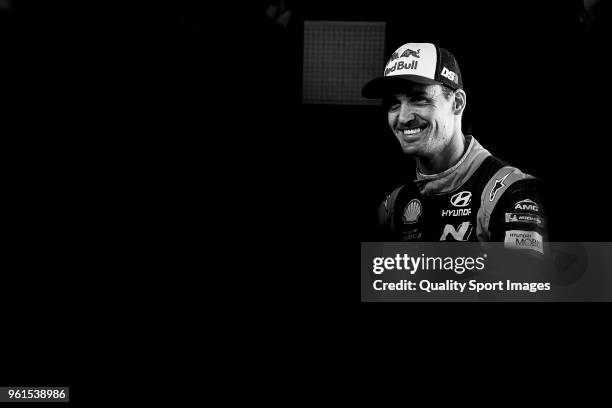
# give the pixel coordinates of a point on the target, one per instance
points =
(72, 106)
(230, 79)
(101, 102)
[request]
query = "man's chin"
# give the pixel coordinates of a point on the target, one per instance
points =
(410, 149)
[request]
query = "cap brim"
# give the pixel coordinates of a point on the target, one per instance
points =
(385, 86)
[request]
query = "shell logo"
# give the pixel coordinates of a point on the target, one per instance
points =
(412, 212)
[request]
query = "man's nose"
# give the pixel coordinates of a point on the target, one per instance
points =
(406, 113)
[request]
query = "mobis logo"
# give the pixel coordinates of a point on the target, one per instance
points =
(524, 239)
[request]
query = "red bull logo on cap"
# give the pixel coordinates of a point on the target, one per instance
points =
(412, 53)
(407, 53)
(400, 65)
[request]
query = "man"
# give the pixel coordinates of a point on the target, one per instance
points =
(461, 192)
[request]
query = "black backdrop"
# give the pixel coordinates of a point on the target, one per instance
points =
(538, 97)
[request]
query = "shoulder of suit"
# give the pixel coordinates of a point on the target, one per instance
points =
(389, 201)
(504, 179)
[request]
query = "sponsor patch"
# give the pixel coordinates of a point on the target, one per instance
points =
(407, 53)
(412, 212)
(521, 217)
(461, 233)
(499, 184)
(412, 235)
(401, 65)
(524, 240)
(527, 205)
(449, 74)
(461, 199)
(456, 212)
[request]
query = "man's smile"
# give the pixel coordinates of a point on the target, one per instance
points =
(413, 131)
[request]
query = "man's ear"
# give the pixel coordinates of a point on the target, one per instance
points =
(460, 101)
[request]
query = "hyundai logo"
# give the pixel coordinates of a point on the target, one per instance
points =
(461, 199)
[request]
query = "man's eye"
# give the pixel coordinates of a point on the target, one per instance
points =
(392, 104)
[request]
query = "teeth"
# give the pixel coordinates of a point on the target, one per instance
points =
(412, 131)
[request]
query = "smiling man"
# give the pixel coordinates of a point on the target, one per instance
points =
(461, 192)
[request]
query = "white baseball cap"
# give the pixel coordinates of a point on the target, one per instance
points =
(423, 63)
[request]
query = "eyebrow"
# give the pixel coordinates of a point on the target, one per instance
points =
(410, 95)
(417, 93)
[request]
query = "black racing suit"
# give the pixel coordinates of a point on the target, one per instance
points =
(481, 198)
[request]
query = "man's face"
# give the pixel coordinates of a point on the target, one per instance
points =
(422, 119)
